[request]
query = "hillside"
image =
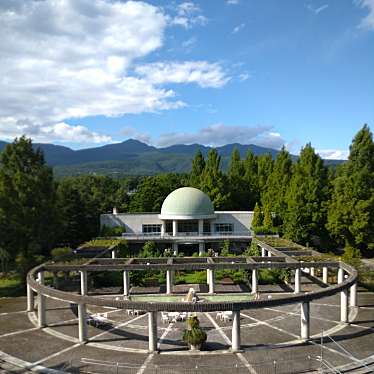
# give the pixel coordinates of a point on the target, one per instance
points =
(133, 157)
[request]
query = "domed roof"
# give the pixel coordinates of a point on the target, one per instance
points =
(187, 203)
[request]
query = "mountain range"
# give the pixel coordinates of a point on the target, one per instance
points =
(132, 157)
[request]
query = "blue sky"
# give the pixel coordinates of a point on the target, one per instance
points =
(84, 73)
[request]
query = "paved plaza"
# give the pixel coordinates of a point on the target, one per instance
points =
(269, 339)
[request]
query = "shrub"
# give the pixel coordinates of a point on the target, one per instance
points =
(194, 335)
(262, 230)
(225, 249)
(252, 250)
(61, 252)
(112, 231)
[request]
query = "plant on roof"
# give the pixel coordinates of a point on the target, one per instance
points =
(194, 335)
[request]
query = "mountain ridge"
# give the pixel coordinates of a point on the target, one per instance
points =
(134, 157)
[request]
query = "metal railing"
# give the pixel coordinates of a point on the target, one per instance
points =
(169, 236)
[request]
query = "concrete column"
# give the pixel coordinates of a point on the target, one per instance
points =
(343, 298)
(30, 299)
(175, 227)
(114, 253)
(211, 280)
(235, 339)
(324, 274)
(297, 281)
(340, 275)
(305, 321)
(263, 252)
(201, 226)
(254, 281)
(163, 228)
(82, 323)
(353, 295)
(126, 283)
(83, 282)
(175, 249)
(42, 320)
(269, 254)
(152, 331)
(201, 249)
(311, 272)
(169, 282)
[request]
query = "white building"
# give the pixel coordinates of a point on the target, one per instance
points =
(187, 223)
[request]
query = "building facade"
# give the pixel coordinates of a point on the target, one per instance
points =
(187, 223)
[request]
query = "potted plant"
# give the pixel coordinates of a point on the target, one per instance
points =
(194, 335)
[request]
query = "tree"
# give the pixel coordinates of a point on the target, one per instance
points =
(198, 165)
(277, 186)
(268, 220)
(351, 210)
(258, 218)
(264, 169)
(27, 200)
(250, 165)
(237, 185)
(307, 195)
(213, 182)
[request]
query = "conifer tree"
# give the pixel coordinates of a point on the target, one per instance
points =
(265, 167)
(251, 179)
(198, 165)
(213, 182)
(305, 219)
(258, 218)
(351, 210)
(277, 185)
(237, 185)
(268, 220)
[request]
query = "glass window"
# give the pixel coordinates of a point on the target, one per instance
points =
(223, 227)
(187, 226)
(148, 229)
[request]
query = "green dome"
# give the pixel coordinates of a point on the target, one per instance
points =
(187, 203)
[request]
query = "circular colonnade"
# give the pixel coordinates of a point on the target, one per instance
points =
(270, 258)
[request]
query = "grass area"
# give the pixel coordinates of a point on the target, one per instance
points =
(177, 298)
(10, 286)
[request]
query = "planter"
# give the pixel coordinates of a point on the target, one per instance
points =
(195, 347)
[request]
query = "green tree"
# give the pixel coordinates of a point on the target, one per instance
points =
(264, 169)
(198, 165)
(268, 220)
(258, 218)
(250, 165)
(27, 203)
(213, 182)
(277, 186)
(351, 210)
(237, 185)
(307, 195)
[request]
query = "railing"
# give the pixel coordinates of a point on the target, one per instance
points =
(187, 234)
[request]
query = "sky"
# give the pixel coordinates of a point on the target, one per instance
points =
(84, 73)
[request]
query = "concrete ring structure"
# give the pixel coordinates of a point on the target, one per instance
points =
(272, 258)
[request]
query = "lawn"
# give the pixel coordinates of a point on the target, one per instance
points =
(10, 286)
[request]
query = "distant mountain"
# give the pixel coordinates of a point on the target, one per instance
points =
(133, 157)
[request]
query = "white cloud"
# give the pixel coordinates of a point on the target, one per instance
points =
(200, 72)
(244, 76)
(238, 28)
(66, 59)
(232, 2)
(333, 154)
(368, 21)
(220, 134)
(56, 132)
(318, 9)
(188, 14)
(132, 133)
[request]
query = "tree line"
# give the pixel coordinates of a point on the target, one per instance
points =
(302, 200)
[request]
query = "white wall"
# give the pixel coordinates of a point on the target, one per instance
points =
(240, 220)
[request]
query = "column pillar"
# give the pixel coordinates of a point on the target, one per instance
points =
(30, 299)
(201, 249)
(211, 280)
(175, 227)
(305, 320)
(126, 283)
(235, 339)
(114, 253)
(263, 252)
(175, 249)
(324, 274)
(254, 281)
(163, 228)
(169, 282)
(41, 303)
(269, 254)
(311, 272)
(353, 295)
(82, 323)
(297, 281)
(152, 331)
(343, 298)
(201, 226)
(83, 282)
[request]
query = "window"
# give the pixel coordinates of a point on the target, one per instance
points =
(188, 226)
(151, 229)
(223, 227)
